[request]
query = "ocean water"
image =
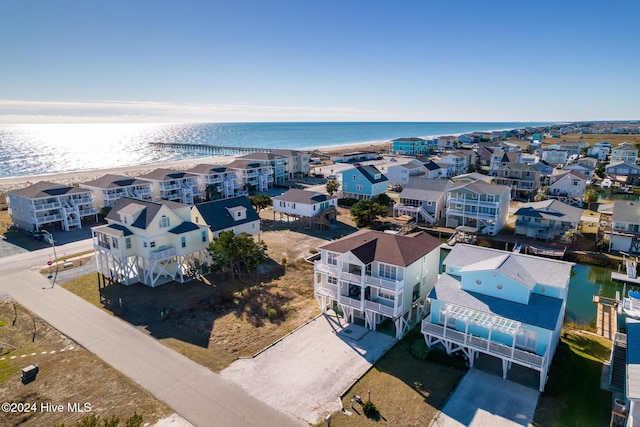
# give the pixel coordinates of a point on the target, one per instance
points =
(34, 149)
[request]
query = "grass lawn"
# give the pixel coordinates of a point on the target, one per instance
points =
(64, 369)
(406, 391)
(573, 396)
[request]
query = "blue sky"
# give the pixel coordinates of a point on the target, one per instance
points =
(324, 60)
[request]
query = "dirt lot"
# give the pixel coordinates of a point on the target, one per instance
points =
(63, 371)
(216, 319)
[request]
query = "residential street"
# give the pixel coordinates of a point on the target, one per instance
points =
(194, 392)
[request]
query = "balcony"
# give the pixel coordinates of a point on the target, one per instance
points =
(473, 202)
(328, 290)
(351, 302)
(388, 284)
(386, 308)
(87, 212)
(45, 206)
(163, 254)
(44, 219)
(484, 345)
(169, 187)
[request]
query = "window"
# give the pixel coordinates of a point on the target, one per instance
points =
(332, 259)
(204, 235)
(114, 242)
(333, 280)
(388, 295)
(127, 243)
(282, 204)
(152, 244)
(387, 271)
(478, 282)
(526, 339)
(238, 214)
(197, 220)
(183, 241)
(491, 198)
(253, 225)
(144, 244)
(164, 221)
(575, 183)
(359, 187)
(354, 177)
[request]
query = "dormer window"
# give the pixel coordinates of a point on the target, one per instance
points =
(377, 176)
(164, 221)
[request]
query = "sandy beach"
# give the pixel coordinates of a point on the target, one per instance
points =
(71, 178)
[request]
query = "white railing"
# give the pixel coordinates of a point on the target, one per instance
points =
(391, 285)
(45, 206)
(169, 187)
(351, 302)
(327, 290)
(383, 308)
(163, 254)
(324, 268)
(47, 218)
(91, 211)
(493, 348)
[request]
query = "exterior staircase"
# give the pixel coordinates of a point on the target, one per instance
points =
(618, 366)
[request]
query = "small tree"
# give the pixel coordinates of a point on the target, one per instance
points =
(332, 186)
(237, 252)
(382, 199)
(590, 196)
(212, 192)
(365, 212)
(104, 211)
(260, 201)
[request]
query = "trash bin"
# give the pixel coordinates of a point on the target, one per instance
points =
(29, 373)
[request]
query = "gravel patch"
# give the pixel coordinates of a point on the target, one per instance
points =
(305, 373)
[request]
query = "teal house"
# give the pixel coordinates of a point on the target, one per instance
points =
(502, 304)
(363, 182)
(413, 146)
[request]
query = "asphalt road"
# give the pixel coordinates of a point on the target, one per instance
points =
(194, 392)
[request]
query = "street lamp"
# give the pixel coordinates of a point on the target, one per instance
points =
(55, 257)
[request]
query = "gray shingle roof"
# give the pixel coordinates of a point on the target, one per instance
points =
(166, 175)
(303, 196)
(395, 249)
(245, 164)
(47, 189)
(550, 209)
(626, 211)
(425, 189)
(207, 169)
(216, 213)
(548, 272)
(370, 172)
(148, 209)
(114, 181)
(542, 311)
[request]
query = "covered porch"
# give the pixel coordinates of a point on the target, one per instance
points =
(453, 339)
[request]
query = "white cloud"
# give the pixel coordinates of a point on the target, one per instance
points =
(18, 111)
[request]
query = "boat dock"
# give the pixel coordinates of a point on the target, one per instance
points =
(214, 150)
(607, 317)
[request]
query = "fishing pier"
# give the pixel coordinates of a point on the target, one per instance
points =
(213, 150)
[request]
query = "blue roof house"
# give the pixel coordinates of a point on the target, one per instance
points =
(363, 182)
(502, 304)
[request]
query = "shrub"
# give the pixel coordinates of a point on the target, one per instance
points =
(370, 410)
(272, 313)
(313, 251)
(419, 350)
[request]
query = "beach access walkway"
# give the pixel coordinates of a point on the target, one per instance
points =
(194, 392)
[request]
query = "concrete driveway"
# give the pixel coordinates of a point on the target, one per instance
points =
(486, 400)
(305, 373)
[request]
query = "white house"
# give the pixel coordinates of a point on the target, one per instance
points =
(433, 170)
(109, 188)
(373, 276)
(46, 204)
(554, 156)
(296, 162)
(568, 186)
(478, 204)
(460, 160)
(598, 152)
(275, 161)
(399, 174)
(502, 158)
(507, 305)
(624, 152)
(251, 174)
(173, 185)
(423, 198)
(218, 178)
(149, 242)
(317, 207)
(620, 225)
(234, 214)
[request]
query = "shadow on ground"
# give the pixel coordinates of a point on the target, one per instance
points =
(189, 311)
